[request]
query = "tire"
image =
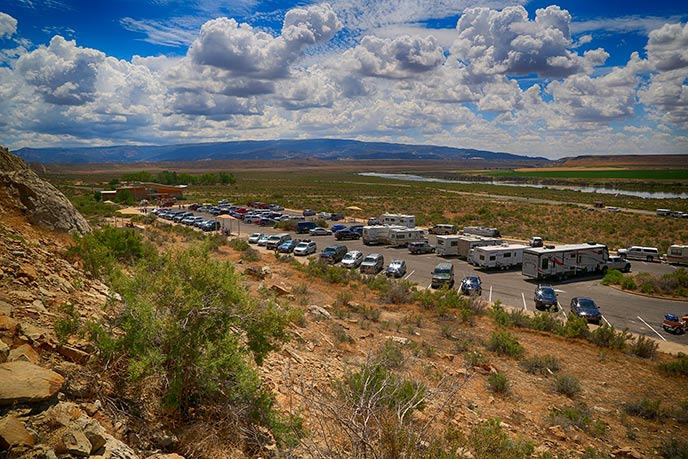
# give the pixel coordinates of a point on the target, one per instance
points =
(649, 259)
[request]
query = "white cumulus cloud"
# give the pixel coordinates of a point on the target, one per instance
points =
(8, 25)
(402, 57)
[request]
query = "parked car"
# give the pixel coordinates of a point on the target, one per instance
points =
(639, 253)
(420, 247)
(288, 246)
(372, 221)
(616, 262)
(443, 229)
(586, 307)
(372, 264)
(336, 216)
(345, 234)
(308, 212)
(305, 227)
(319, 231)
(471, 285)
(356, 228)
(546, 298)
(536, 242)
(337, 227)
(253, 238)
(263, 240)
(276, 240)
(397, 268)
(334, 253)
(352, 259)
(210, 225)
(442, 275)
(304, 248)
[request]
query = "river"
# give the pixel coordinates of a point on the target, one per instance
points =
(584, 189)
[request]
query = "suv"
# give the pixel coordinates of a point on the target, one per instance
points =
(397, 268)
(333, 253)
(346, 234)
(372, 264)
(305, 248)
(586, 307)
(639, 253)
(615, 262)
(276, 240)
(471, 285)
(420, 247)
(546, 298)
(352, 259)
(536, 242)
(443, 274)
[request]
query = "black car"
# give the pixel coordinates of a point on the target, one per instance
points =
(546, 298)
(471, 285)
(586, 307)
(345, 234)
(333, 254)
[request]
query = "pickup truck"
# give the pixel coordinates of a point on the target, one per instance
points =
(420, 247)
(615, 262)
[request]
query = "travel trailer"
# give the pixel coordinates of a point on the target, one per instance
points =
(564, 261)
(402, 237)
(497, 256)
(460, 246)
(376, 234)
(481, 231)
(677, 255)
(408, 221)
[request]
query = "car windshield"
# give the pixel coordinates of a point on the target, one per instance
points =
(546, 293)
(329, 250)
(587, 304)
(370, 260)
(443, 271)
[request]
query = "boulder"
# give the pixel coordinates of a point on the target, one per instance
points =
(24, 352)
(26, 382)
(318, 312)
(13, 433)
(165, 456)
(114, 449)
(73, 442)
(4, 351)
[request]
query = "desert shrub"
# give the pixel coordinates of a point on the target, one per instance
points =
(673, 448)
(239, 244)
(391, 355)
(300, 289)
(190, 324)
(297, 317)
(100, 249)
(647, 283)
(644, 347)
(442, 300)
(628, 283)
(613, 276)
(505, 344)
(679, 411)
(250, 254)
(541, 364)
(475, 359)
(371, 313)
(519, 318)
(489, 441)
(606, 336)
(567, 385)
(644, 408)
(677, 367)
(398, 293)
(545, 322)
(340, 334)
(343, 298)
(574, 327)
(579, 416)
(498, 383)
(500, 315)
(68, 325)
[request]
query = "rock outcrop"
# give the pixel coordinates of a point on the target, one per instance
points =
(38, 200)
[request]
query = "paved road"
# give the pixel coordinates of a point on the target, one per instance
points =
(640, 314)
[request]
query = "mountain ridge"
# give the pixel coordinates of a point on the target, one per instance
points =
(273, 150)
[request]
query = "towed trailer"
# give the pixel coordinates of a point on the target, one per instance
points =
(564, 261)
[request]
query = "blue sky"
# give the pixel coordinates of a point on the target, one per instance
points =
(540, 78)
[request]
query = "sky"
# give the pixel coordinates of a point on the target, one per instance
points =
(540, 78)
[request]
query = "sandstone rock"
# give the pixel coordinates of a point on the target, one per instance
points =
(399, 339)
(26, 382)
(8, 326)
(627, 451)
(13, 433)
(558, 432)
(279, 290)
(73, 354)
(4, 351)
(32, 332)
(24, 352)
(41, 202)
(5, 309)
(74, 442)
(319, 312)
(114, 449)
(93, 431)
(165, 456)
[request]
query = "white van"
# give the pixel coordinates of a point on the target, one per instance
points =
(639, 253)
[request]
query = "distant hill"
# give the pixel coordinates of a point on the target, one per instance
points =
(262, 150)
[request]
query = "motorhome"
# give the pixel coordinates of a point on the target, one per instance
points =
(442, 228)
(481, 231)
(663, 212)
(497, 256)
(407, 221)
(460, 246)
(564, 261)
(401, 237)
(375, 234)
(677, 255)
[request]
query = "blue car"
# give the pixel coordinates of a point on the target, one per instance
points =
(288, 246)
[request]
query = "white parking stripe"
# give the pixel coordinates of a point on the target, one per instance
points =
(605, 319)
(561, 310)
(409, 275)
(524, 301)
(489, 300)
(648, 326)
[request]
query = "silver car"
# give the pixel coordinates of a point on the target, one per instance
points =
(305, 248)
(253, 238)
(352, 259)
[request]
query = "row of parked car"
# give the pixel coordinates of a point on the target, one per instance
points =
(187, 218)
(546, 298)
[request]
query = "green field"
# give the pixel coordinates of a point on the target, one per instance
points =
(628, 174)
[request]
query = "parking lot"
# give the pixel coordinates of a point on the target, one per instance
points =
(640, 314)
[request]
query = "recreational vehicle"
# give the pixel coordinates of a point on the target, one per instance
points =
(564, 261)
(677, 254)
(481, 231)
(407, 221)
(402, 237)
(375, 234)
(460, 246)
(447, 245)
(497, 256)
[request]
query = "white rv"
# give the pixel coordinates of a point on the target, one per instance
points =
(377, 234)
(677, 255)
(564, 261)
(497, 256)
(481, 231)
(407, 221)
(461, 245)
(400, 237)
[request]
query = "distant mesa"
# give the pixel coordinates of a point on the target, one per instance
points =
(263, 150)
